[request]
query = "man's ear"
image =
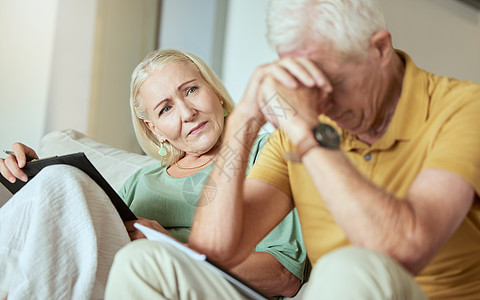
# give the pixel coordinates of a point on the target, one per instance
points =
(381, 44)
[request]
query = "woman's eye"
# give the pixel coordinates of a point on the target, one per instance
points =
(165, 109)
(191, 90)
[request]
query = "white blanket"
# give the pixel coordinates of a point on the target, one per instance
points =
(58, 237)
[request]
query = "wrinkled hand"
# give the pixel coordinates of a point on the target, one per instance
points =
(299, 82)
(136, 234)
(292, 95)
(11, 167)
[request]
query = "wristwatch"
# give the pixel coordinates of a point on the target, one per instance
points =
(323, 135)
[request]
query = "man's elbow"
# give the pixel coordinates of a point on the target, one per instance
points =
(414, 253)
(413, 262)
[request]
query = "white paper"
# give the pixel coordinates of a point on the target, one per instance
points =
(154, 235)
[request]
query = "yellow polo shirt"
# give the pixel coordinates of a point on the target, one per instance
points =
(436, 125)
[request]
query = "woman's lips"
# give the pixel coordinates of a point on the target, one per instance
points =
(197, 128)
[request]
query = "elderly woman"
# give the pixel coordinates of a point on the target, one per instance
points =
(178, 108)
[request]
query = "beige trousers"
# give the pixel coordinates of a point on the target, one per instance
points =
(357, 273)
(155, 270)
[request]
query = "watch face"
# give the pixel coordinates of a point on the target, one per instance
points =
(326, 136)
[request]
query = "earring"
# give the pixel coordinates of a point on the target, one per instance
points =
(162, 151)
(225, 112)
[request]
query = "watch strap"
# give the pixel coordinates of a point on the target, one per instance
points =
(305, 145)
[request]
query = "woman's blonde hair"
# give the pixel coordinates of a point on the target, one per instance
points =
(154, 61)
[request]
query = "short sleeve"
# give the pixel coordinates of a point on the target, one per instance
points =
(257, 147)
(285, 243)
(271, 166)
(127, 191)
(455, 148)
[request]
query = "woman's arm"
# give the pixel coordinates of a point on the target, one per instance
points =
(263, 271)
(241, 213)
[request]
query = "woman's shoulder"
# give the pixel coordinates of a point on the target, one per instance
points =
(257, 146)
(144, 171)
(262, 139)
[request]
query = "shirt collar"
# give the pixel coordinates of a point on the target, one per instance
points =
(412, 107)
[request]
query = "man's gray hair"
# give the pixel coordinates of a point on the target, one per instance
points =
(346, 24)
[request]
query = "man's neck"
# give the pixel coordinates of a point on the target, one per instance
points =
(391, 94)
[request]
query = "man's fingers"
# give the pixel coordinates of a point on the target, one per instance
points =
(292, 71)
(315, 73)
(283, 76)
(305, 71)
(300, 70)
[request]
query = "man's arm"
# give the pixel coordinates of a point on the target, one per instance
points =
(412, 229)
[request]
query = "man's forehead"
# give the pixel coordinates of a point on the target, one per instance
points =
(317, 56)
(310, 50)
(296, 53)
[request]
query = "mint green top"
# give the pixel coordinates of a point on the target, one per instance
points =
(153, 194)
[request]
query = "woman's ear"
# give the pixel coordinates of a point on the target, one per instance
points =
(149, 125)
(152, 128)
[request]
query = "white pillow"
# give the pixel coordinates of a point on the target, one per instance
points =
(114, 164)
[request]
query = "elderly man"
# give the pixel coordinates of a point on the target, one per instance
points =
(396, 175)
(386, 185)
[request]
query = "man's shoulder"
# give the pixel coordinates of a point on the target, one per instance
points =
(451, 94)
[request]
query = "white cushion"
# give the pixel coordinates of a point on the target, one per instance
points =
(114, 164)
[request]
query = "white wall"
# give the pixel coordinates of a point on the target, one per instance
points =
(196, 27)
(245, 47)
(245, 44)
(442, 36)
(65, 65)
(126, 31)
(71, 69)
(27, 31)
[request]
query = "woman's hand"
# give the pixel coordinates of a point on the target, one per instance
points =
(11, 167)
(136, 234)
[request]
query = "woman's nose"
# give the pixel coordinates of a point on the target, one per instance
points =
(187, 112)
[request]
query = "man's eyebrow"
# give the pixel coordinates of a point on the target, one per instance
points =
(178, 89)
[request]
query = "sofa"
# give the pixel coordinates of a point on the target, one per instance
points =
(114, 164)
